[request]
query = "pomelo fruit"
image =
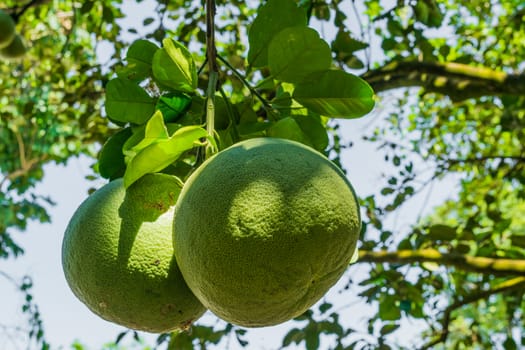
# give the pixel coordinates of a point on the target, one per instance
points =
(263, 229)
(7, 29)
(15, 49)
(117, 256)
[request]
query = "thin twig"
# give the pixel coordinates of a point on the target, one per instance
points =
(213, 74)
(253, 90)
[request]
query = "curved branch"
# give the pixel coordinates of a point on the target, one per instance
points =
(495, 266)
(512, 284)
(456, 80)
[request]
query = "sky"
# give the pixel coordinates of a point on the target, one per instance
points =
(66, 319)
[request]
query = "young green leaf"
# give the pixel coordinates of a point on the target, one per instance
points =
(174, 68)
(296, 52)
(272, 17)
(335, 93)
(162, 153)
(154, 131)
(127, 102)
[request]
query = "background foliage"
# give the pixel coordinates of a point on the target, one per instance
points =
(451, 104)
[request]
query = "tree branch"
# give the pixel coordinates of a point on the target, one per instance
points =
(495, 266)
(512, 284)
(456, 80)
(20, 10)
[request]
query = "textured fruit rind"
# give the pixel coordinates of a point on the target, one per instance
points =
(117, 257)
(7, 29)
(264, 229)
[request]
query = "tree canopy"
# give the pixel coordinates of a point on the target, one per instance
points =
(449, 86)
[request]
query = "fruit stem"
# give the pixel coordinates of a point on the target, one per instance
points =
(213, 73)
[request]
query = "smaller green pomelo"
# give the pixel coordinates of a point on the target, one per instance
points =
(264, 229)
(15, 49)
(7, 29)
(117, 256)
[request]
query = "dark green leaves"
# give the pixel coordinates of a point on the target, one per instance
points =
(139, 60)
(336, 94)
(440, 232)
(273, 17)
(173, 105)
(111, 163)
(296, 52)
(127, 102)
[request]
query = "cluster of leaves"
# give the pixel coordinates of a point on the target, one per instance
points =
(157, 100)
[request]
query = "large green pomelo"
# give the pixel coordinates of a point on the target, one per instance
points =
(117, 256)
(7, 29)
(263, 229)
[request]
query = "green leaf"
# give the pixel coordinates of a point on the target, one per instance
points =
(311, 338)
(174, 68)
(335, 93)
(295, 335)
(388, 328)
(111, 164)
(162, 153)
(288, 128)
(173, 105)
(344, 43)
(324, 307)
(139, 60)
(154, 131)
(272, 17)
(296, 52)
(388, 310)
(301, 128)
(353, 62)
(127, 102)
(421, 11)
(314, 130)
(440, 232)
(180, 341)
(510, 344)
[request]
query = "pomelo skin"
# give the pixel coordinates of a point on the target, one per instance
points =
(117, 256)
(7, 29)
(264, 229)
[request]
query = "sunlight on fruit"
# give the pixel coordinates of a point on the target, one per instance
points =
(263, 230)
